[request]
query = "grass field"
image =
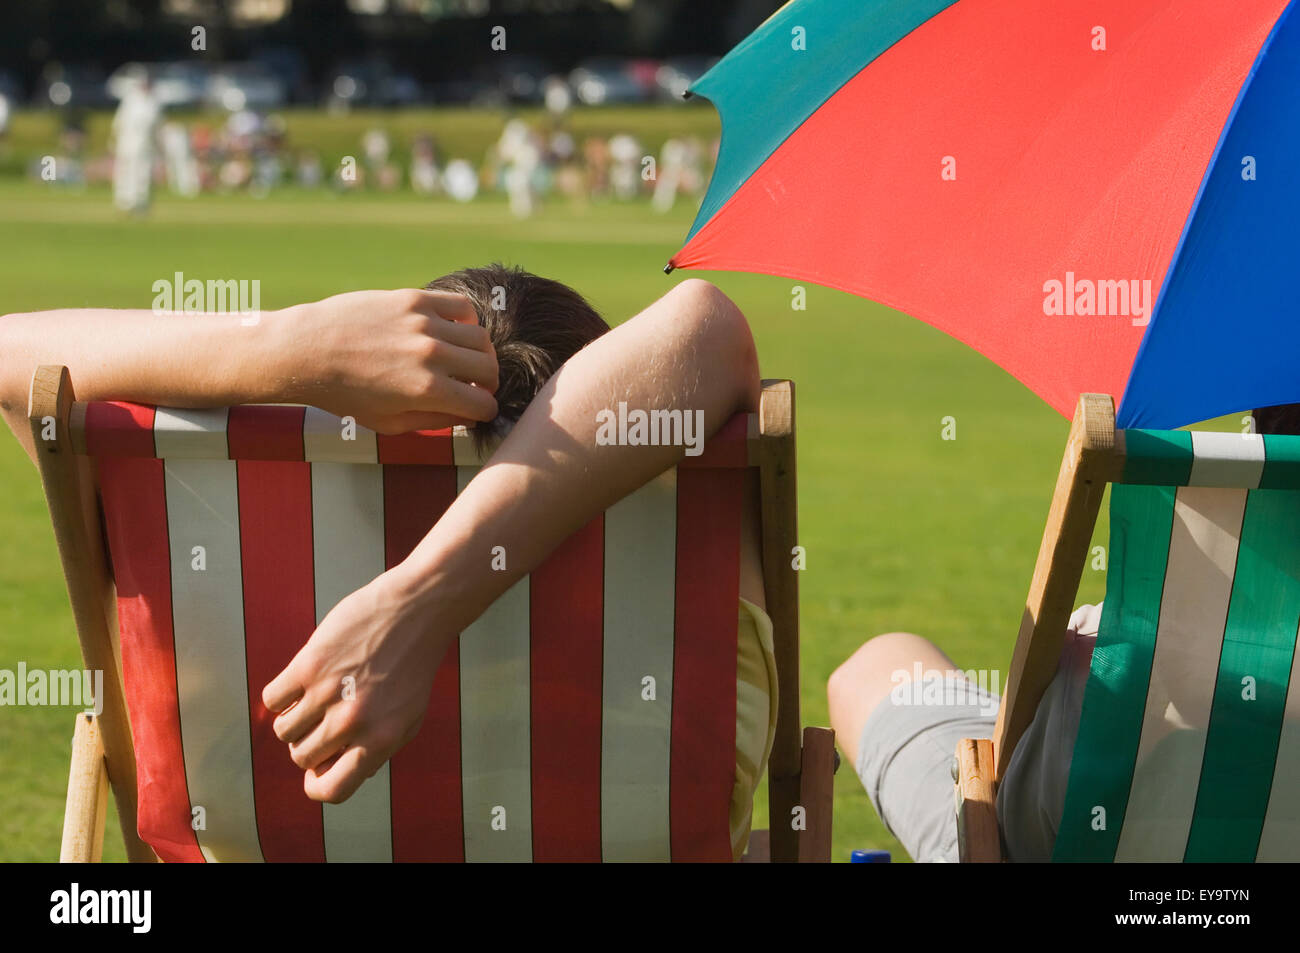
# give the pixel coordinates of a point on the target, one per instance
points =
(903, 529)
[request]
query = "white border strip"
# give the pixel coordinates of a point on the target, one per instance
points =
(324, 439)
(211, 672)
(190, 434)
(496, 725)
(636, 733)
(1193, 612)
(347, 504)
(1226, 459)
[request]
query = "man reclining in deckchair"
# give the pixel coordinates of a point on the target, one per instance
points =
(903, 752)
(483, 347)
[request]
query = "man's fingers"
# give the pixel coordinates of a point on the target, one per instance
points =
(465, 364)
(338, 780)
(473, 336)
(465, 400)
(319, 745)
(449, 305)
(283, 690)
(292, 725)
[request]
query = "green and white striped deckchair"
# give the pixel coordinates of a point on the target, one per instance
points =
(1189, 739)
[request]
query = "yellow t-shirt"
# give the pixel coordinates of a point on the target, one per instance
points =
(756, 699)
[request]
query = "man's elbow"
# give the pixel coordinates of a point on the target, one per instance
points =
(719, 325)
(704, 301)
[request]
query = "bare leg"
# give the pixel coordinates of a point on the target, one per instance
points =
(867, 677)
(904, 756)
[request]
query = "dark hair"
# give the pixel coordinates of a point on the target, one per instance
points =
(1282, 419)
(535, 325)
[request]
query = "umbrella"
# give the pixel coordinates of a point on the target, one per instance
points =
(1098, 195)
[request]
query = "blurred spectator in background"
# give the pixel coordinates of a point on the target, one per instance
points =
(568, 178)
(236, 172)
(595, 153)
(376, 147)
(309, 173)
(203, 143)
(561, 147)
(424, 165)
(460, 180)
(520, 154)
(241, 128)
(72, 146)
(680, 170)
(625, 166)
(135, 126)
(268, 156)
(178, 158)
(668, 175)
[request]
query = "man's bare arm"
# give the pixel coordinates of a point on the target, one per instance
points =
(395, 360)
(691, 350)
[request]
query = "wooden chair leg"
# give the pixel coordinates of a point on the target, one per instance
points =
(978, 840)
(817, 794)
(87, 806)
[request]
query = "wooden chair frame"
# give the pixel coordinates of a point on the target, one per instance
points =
(1094, 457)
(800, 772)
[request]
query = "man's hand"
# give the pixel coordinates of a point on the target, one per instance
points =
(394, 360)
(357, 691)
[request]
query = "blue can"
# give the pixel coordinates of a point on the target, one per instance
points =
(869, 857)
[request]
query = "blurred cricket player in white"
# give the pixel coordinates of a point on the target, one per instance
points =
(135, 128)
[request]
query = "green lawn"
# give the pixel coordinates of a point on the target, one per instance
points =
(903, 530)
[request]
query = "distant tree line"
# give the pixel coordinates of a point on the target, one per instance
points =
(105, 33)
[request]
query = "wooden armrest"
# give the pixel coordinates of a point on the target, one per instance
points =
(978, 840)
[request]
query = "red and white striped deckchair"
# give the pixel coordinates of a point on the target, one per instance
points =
(589, 714)
(1189, 736)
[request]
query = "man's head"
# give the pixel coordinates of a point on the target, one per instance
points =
(535, 325)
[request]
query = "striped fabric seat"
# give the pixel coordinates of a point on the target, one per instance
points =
(590, 714)
(1189, 742)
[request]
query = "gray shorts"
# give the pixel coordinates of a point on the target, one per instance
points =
(905, 760)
